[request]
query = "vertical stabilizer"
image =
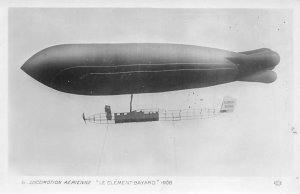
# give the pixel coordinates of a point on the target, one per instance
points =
(228, 104)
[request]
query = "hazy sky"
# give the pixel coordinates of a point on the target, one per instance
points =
(47, 135)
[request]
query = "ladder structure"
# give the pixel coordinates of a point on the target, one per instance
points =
(147, 115)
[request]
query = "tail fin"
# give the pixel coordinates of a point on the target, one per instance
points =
(256, 65)
(228, 104)
(257, 51)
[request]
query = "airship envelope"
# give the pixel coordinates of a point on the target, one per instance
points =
(131, 68)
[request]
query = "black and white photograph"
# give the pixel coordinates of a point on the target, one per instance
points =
(151, 92)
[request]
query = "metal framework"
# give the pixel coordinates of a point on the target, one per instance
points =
(164, 115)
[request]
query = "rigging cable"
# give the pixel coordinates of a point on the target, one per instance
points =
(100, 161)
(174, 146)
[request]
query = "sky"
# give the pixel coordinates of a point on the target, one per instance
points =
(47, 135)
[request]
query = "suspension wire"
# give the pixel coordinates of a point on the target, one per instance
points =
(174, 145)
(131, 102)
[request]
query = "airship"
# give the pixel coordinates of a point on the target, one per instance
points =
(133, 68)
